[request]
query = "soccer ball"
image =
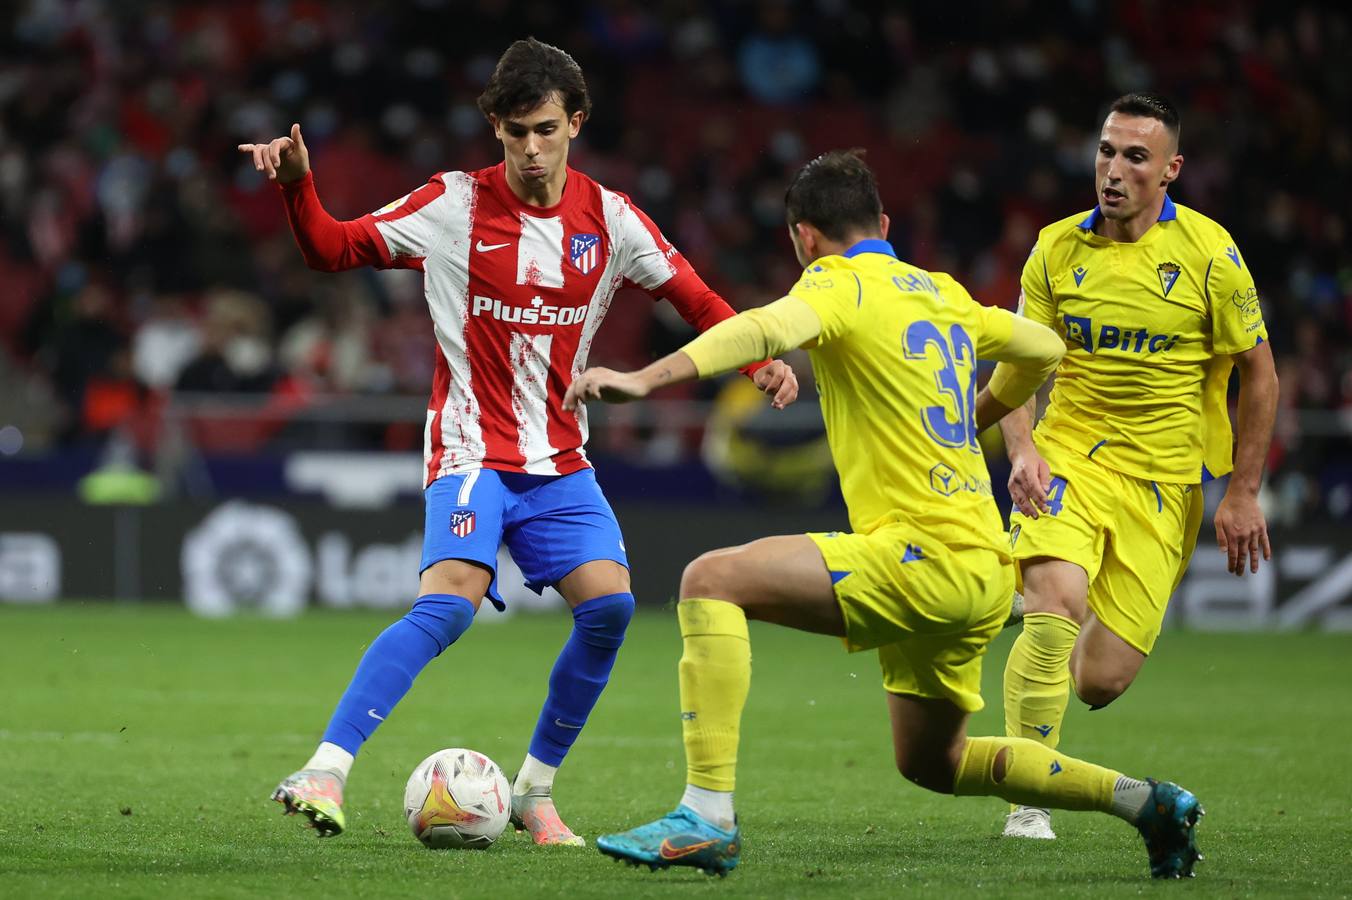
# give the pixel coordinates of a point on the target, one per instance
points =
(457, 798)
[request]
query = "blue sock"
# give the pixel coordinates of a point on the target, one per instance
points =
(390, 664)
(580, 674)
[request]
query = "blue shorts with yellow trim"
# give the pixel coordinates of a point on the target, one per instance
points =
(1132, 536)
(929, 611)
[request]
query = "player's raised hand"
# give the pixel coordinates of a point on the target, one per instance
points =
(1030, 478)
(283, 159)
(778, 380)
(604, 384)
(1241, 532)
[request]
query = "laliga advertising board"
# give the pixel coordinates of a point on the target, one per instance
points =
(244, 556)
(278, 559)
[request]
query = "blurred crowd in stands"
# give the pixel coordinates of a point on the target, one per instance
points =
(140, 254)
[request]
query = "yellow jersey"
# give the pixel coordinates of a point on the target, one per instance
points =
(1149, 327)
(895, 365)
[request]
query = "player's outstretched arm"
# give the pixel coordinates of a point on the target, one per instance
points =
(327, 244)
(703, 308)
(600, 383)
(1241, 528)
(283, 159)
(727, 346)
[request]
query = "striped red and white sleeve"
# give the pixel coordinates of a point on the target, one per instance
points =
(398, 235)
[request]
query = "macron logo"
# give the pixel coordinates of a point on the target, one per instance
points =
(484, 248)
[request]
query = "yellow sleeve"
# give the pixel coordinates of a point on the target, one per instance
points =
(1236, 315)
(834, 292)
(1035, 290)
(1027, 352)
(754, 335)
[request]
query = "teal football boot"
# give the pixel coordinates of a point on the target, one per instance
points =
(680, 838)
(1168, 823)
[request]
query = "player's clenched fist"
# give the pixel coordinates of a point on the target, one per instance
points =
(604, 384)
(284, 159)
(778, 381)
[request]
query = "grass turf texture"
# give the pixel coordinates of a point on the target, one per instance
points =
(140, 745)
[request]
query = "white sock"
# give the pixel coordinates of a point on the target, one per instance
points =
(712, 806)
(331, 757)
(1129, 798)
(534, 774)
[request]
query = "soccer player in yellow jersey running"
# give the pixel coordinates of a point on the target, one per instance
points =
(925, 577)
(1156, 307)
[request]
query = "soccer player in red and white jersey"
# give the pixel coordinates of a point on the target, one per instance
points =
(520, 263)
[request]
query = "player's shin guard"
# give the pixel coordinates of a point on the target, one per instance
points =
(394, 659)
(1037, 678)
(580, 673)
(715, 677)
(1027, 773)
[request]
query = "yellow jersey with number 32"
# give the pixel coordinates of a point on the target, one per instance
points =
(1149, 328)
(895, 366)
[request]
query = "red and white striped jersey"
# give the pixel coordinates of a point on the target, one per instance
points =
(517, 294)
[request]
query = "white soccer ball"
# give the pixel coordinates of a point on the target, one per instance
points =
(457, 798)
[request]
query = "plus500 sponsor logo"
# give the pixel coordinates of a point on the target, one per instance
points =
(537, 313)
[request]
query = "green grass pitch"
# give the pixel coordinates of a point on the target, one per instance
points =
(138, 747)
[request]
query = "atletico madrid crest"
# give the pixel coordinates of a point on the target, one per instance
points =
(584, 251)
(462, 523)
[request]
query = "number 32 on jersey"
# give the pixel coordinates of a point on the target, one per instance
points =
(953, 422)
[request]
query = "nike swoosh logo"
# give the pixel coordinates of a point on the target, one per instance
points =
(563, 724)
(372, 713)
(484, 248)
(671, 851)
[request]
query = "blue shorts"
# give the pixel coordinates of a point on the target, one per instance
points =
(551, 524)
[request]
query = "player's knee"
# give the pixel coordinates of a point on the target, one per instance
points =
(602, 621)
(705, 577)
(1055, 599)
(441, 617)
(1098, 689)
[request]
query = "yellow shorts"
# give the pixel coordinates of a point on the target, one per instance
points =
(1132, 536)
(929, 611)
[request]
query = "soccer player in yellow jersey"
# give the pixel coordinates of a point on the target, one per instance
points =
(1156, 307)
(925, 576)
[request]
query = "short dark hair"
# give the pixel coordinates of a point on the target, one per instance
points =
(1149, 106)
(530, 73)
(836, 193)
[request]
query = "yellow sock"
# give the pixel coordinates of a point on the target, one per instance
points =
(715, 676)
(1037, 678)
(1034, 775)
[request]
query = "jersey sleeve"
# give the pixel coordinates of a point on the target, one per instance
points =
(835, 294)
(1027, 353)
(1035, 290)
(648, 259)
(407, 230)
(755, 334)
(1236, 315)
(327, 244)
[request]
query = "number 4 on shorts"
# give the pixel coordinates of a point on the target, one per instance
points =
(1056, 494)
